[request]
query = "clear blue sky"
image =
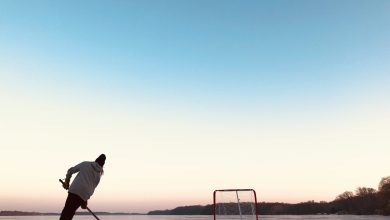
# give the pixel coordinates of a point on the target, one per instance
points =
(288, 97)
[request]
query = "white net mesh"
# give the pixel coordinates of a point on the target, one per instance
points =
(233, 204)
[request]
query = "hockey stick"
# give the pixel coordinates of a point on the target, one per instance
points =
(92, 213)
(63, 183)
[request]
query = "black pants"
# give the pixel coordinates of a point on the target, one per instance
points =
(73, 202)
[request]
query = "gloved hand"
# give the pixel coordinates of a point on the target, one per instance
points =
(84, 205)
(66, 184)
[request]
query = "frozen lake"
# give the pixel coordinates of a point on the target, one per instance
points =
(202, 217)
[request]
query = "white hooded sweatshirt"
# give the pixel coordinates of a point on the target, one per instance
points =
(87, 179)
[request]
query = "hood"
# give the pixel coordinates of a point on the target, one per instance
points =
(96, 167)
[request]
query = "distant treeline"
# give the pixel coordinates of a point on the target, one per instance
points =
(365, 201)
(21, 213)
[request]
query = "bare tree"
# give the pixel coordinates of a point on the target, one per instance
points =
(364, 191)
(345, 195)
(384, 194)
(384, 184)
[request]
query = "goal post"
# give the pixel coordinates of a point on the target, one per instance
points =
(235, 204)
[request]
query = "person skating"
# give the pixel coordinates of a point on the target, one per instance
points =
(83, 186)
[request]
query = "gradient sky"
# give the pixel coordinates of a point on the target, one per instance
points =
(290, 98)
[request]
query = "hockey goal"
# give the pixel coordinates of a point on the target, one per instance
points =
(235, 204)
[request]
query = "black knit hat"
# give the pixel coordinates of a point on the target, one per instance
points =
(101, 160)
